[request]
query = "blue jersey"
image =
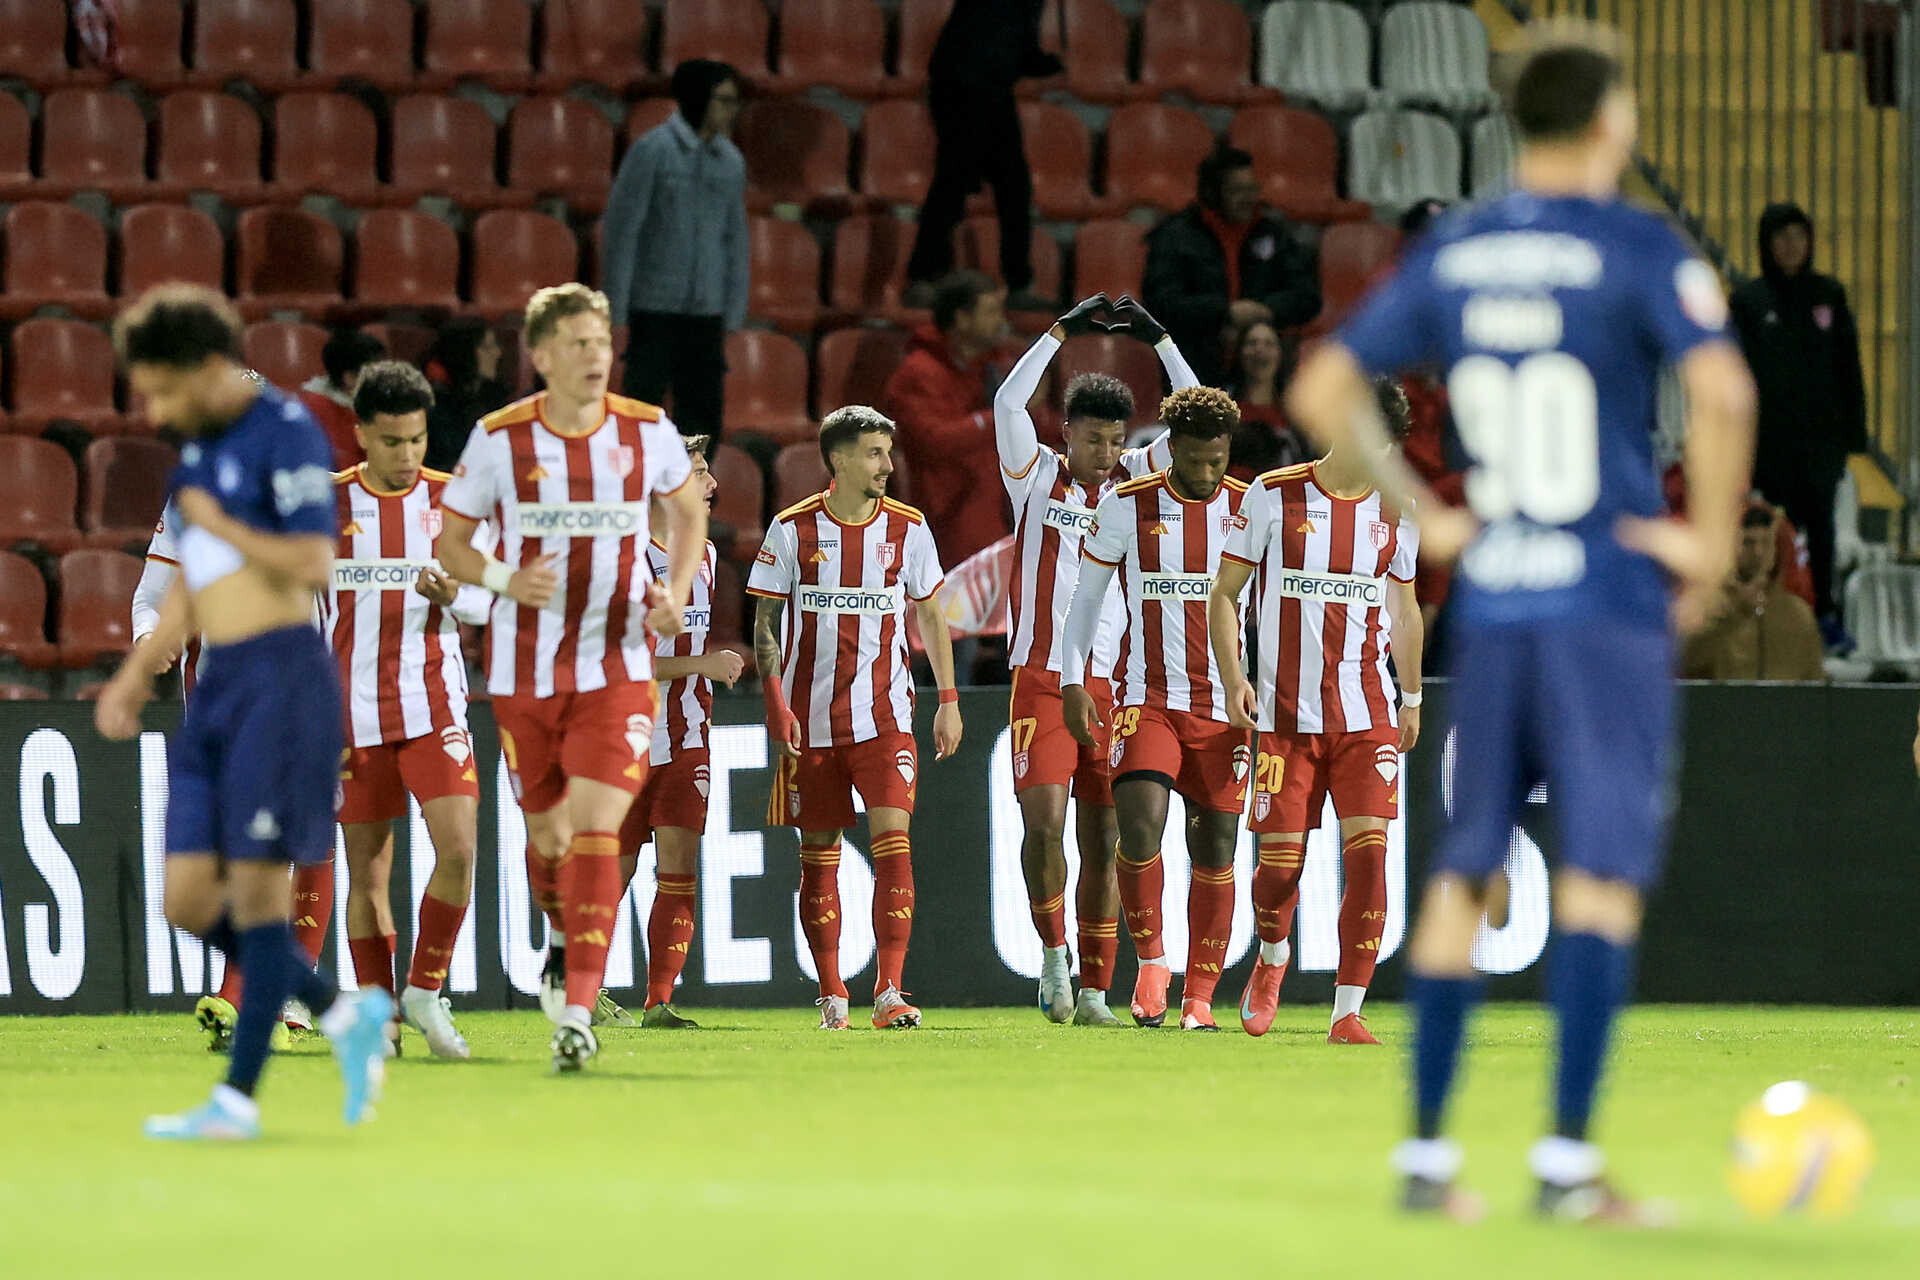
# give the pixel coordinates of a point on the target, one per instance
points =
(270, 469)
(1553, 318)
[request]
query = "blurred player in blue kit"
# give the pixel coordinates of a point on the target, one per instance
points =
(1553, 311)
(252, 770)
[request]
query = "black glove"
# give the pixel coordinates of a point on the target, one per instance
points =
(1081, 319)
(1136, 320)
(1038, 64)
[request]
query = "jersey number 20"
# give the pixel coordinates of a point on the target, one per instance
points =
(1534, 432)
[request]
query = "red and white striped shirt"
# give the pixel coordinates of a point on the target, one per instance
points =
(844, 633)
(1167, 549)
(1320, 596)
(584, 499)
(686, 702)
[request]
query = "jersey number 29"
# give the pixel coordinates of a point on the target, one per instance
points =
(1534, 432)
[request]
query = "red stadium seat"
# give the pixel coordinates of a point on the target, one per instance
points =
(147, 37)
(445, 147)
(39, 490)
(733, 31)
(326, 143)
(648, 114)
(870, 268)
(56, 255)
(1096, 56)
(783, 273)
(977, 246)
(1203, 48)
(285, 353)
(124, 487)
(515, 252)
(62, 372)
(96, 588)
(799, 472)
(920, 23)
(486, 40)
(406, 258)
(370, 41)
(250, 40)
(600, 41)
(210, 142)
(287, 259)
(16, 151)
(163, 242)
(766, 388)
(408, 342)
(1128, 359)
(796, 154)
(1154, 154)
(1353, 255)
(1060, 154)
(563, 147)
(840, 44)
(23, 614)
(851, 366)
(896, 152)
(1110, 255)
(739, 502)
(1298, 158)
(93, 139)
(33, 41)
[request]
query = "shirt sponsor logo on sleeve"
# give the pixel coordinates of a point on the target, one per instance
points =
(874, 601)
(581, 519)
(1333, 588)
(766, 556)
(1175, 586)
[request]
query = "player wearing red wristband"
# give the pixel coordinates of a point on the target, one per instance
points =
(833, 580)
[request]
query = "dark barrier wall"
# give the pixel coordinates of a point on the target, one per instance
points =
(1791, 878)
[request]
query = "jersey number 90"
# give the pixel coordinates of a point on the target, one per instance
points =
(1534, 432)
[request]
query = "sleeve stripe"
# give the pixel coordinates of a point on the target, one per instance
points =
(1023, 472)
(930, 595)
(162, 559)
(1088, 555)
(767, 595)
(455, 511)
(1397, 578)
(1228, 555)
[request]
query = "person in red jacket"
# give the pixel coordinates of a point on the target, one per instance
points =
(941, 399)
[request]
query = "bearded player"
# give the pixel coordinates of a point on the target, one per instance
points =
(1332, 567)
(830, 634)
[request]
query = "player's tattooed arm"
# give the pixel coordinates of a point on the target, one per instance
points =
(783, 727)
(766, 634)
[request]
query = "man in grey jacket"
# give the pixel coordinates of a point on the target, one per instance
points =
(676, 248)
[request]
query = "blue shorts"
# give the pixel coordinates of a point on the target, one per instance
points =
(253, 770)
(1585, 707)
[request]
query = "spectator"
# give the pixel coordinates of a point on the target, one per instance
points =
(985, 48)
(676, 246)
(1259, 361)
(464, 370)
(1799, 338)
(1758, 630)
(1221, 265)
(330, 395)
(941, 398)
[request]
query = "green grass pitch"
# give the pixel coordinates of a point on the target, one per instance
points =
(990, 1144)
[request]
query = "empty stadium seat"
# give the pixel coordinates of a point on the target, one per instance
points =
(1493, 146)
(766, 388)
(163, 242)
(869, 267)
(851, 366)
(326, 143)
(563, 147)
(516, 251)
(93, 139)
(1352, 256)
(796, 154)
(147, 38)
(1297, 157)
(1318, 50)
(287, 258)
(920, 23)
(733, 31)
(95, 622)
(285, 353)
(1883, 613)
(896, 152)
(485, 40)
(33, 41)
(250, 40)
(839, 44)
(648, 114)
(62, 372)
(783, 274)
(445, 147)
(601, 41)
(1096, 53)
(16, 150)
(408, 342)
(56, 255)
(124, 487)
(798, 472)
(977, 246)
(1203, 48)
(1128, 359)
(405, 258)
(1154, 154)
(739, 500)
(1108, 255)
(1060, 156)
(209, 142)
(1396, 158)
(1435, 55)
(39, 489)
(364, 40)
(23, 613)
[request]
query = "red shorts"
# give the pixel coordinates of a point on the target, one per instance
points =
(1206, 760)
(815, 792)
(1295, 772)
(605, 735)
(374, 781)
(675, 795)
(1044, 753)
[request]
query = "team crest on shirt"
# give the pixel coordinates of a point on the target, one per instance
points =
(431, 521)
(621, 457)
(885, 553)
(640, 735)
(1229, 521)
(1381, 534)
(700, 780)
(1386, 763)
(453, 740)
(903, 761)
(1242, 761)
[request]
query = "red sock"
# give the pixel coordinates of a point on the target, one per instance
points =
(313, 907)
(543, 882)
(433, 948)
(589, 878)
(1363, 907)
(669, 935)
(230, 982)
(373, 961)
(1209, 925)
(1050, 919)
(893, 908)
(820, 913)
(1276, 887)
(1099, 942)
(1142, 885)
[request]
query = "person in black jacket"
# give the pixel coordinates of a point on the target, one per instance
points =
(985, 48)
(1800, 340)
(1222, 265)
(464, 369)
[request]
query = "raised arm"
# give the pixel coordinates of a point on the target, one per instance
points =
(1013, 430)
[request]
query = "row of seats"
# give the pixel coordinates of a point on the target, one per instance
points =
(1429, 52)
(92, 622)
(43, 499)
